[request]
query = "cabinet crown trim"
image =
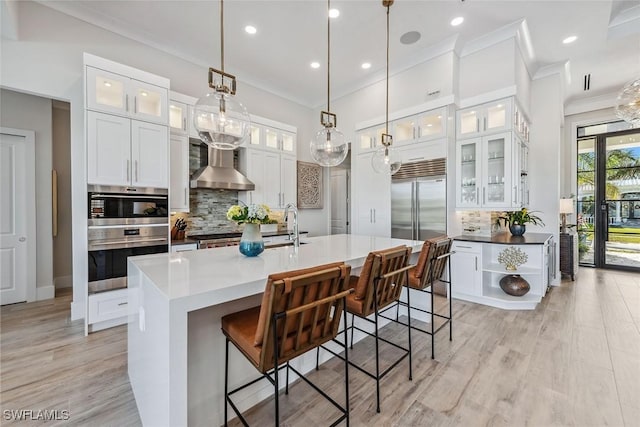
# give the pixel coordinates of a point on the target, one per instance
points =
(124, 70)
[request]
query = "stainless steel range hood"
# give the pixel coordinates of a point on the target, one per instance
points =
(219, 172)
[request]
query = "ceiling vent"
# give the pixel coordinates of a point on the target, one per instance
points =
(587, 82)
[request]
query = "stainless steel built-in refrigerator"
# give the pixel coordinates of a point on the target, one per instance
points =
(419, 201)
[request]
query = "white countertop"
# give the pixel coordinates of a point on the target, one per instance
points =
(223, 274)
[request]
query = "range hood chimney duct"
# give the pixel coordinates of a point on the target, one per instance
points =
(219, 172)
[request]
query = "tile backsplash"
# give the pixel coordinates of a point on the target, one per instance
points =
(207, 208)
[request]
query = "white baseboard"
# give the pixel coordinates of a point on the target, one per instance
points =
(63, 282)
(45, 292)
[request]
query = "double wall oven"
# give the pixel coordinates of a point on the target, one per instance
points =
(123, 222)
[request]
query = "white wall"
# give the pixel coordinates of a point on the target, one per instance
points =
(544, 154)
(29, 112)
(46, 59)
(487, 70)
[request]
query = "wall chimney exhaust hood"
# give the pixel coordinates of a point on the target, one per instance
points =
(219, 173)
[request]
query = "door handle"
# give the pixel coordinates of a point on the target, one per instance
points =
(374, 216)
(484, 195)
(485, 123)
(185, 195)
(414, 133)
(128, 170)
(477, 125)
(126, 102)
(478, 195)
(184, 123)
(476, 258)
(22, 239)
(136, 169)
(135, 105)
(515, 194)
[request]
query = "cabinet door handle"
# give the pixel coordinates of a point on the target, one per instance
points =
(484, 195)
(135, 105)
(466, 247)
(135, 164)
(476, 258)
(478, 125)
(478, 195)
(128, 170)
(416, 158)
(371, 216)
(485, 123)
(414, 133)
(126, 102)
(374, 216)
(185, 195)
(515, 194)
(122, 303)
(184, 123)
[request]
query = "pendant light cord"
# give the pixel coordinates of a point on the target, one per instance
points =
(222, 35)
(386, 122)
(328, 56)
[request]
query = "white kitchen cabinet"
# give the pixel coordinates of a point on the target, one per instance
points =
(372, 193)
(118, 94)
(420, 127)
(369, 139)
(466, 268)
(484, 177)
(178, 116)
(126, 152)
(179, 173)
(476, 272)
(274, 176)
(423, 151)
(485, 119)
(185, 247)
(272, 138)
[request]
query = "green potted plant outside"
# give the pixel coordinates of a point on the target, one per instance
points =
(517, 220)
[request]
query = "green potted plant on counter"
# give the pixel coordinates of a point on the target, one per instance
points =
(517, 220)
(251, 243)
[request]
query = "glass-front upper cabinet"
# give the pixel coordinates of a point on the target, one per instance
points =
(420, 127)
(496, 171)
(178, 113)
(116, 94)
(288, 142)
(369, 139)
(468, 173)
(254, 135)
(485, 119)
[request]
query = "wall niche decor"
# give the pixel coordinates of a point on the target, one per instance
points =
(309, 185)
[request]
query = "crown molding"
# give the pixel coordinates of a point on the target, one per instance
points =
(593, 103)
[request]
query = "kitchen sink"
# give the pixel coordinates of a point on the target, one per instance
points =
(281, 244)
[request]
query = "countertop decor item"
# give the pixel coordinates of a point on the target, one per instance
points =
(251, 243)
(517, 220)
(512, 257)
(514, 284)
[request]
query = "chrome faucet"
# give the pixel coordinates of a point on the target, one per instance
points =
(296, 234)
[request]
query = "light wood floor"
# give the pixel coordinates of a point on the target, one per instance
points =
(575, 360)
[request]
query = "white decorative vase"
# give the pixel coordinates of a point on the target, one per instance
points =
(251, 243)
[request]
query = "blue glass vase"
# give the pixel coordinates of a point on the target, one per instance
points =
(251, 243)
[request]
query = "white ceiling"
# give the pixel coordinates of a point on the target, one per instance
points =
(292, 34)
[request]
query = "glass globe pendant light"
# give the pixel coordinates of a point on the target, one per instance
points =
(221, 121)
(329, 147)
(386, 160)
(628, 103)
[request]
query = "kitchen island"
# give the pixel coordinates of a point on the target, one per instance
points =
(476, 272)
(175, 303)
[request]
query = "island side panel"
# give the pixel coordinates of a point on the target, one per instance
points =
(149, 349)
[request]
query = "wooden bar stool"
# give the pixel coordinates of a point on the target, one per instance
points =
(300, 310)
(426, 277)
(379, 285)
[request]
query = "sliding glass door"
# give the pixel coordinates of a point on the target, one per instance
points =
(609, 200)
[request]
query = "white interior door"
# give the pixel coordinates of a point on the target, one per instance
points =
(17, 216)
(339, 201)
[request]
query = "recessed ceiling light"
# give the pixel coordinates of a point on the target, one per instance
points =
(250, 29)
(457, 21)
(366, 65)
(410, 37)
(334, 13)
(570, 39)
(315, 65)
